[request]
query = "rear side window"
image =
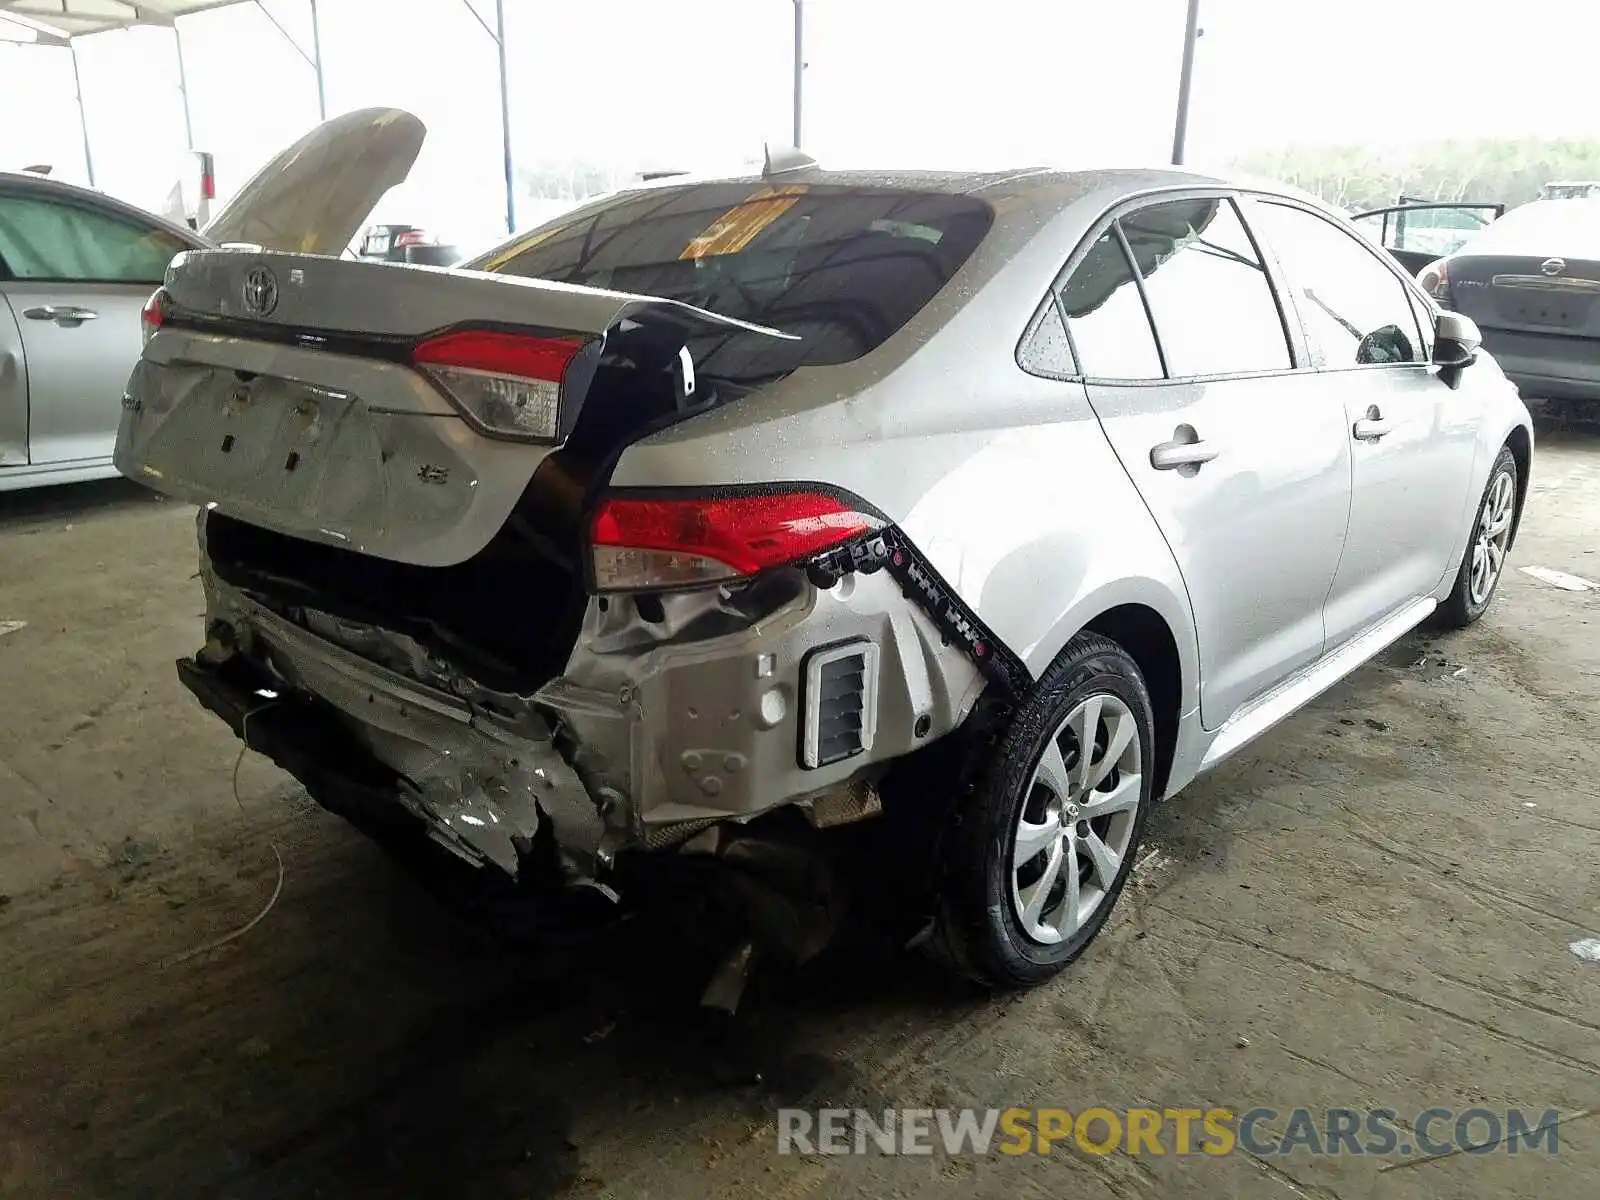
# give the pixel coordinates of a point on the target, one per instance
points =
(1045, 349)
(842, 267)
(1355, 310)
(1106, 316)
(1213, 306)
(50, 240)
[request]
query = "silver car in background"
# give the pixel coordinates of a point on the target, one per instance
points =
(717, 514)
(75, 269)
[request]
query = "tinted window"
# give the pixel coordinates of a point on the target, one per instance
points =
(1355, 310)
(1106, 316)
(1209, 295)
(842, 267)
(49, 239)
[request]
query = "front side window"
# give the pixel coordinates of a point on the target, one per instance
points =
(48, 239)
(1209, 295)
(1355, 310)
(842, 268)
(1106, 316)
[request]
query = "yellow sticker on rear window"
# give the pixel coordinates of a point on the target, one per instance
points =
(526, 242)
(738, 227)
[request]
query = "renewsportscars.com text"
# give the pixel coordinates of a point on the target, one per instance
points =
(1260, 1132)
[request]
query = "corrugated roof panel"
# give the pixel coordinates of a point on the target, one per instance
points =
(78, 18)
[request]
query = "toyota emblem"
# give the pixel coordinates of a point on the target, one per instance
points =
(1553, 266)
(260, 291)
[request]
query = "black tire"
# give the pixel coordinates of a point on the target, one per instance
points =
(977, 930)
(1459, 608)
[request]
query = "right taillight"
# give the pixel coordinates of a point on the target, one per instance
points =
(1435, 280)
(153, 314)
(651, 542)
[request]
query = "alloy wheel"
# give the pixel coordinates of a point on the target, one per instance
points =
(1492, 537)
(1076, 822)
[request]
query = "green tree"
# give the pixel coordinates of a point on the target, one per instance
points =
(1504, 170)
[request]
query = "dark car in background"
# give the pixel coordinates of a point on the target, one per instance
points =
(405, 244)
(1531, 282)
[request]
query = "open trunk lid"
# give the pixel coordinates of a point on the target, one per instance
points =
(286, 390)
(314, 300)
(314, 196)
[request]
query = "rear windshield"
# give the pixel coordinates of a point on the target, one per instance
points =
(841, 267)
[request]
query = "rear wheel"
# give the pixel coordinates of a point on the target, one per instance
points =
(1039, 854)
(1483, 561)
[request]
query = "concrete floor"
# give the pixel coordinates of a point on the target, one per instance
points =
(1378, 898)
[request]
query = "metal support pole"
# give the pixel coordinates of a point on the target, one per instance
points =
(83, 114)
(314, 59)
(505, 115)
(1191, 34)
(316, 62)
(183, 85)
(799, 69)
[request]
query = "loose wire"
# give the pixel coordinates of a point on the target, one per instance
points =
(277, 890)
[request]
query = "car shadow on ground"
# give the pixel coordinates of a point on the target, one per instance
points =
(1572, 421)
(57, 502)
(363, 1041)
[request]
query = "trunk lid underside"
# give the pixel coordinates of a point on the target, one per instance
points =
(305, 416)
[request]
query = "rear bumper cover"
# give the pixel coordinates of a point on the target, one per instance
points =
(1547, 366)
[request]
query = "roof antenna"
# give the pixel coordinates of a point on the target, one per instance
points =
(784, 159)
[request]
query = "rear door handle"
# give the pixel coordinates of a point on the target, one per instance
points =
(66, 315)
(1371, 427)
(1169, 456)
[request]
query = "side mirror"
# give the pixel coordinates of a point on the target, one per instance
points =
(1455, 340)
(1455, 345)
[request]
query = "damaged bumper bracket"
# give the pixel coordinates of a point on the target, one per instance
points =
(484, 786)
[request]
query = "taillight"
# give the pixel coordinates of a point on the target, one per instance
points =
(411, 237)
(505, 384)
(1435, 279)
(153, 313)
(667, 542)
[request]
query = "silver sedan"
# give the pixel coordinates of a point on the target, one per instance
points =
(719, 513)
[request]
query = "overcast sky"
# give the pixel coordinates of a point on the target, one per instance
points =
(897, 82)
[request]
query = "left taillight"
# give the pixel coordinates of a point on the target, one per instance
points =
(647, 542)
(153, 314)
(506, 384)
(1435, 280)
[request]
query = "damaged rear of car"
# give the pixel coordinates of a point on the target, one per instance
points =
(427, 600)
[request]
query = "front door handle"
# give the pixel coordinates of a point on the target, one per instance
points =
(1170, 456)
(1372, 426)
(65, 315)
